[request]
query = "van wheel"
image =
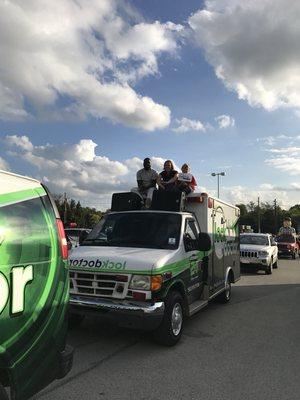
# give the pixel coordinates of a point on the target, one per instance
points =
(75, 320)
(3, 394)
(225, 296)
(294, 256)
(275, 265)
(170, 330)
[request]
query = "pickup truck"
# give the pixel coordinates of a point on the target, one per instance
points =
(258, 251)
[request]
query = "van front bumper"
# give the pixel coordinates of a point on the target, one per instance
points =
(126, 313)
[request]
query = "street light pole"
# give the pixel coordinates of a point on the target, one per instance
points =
(217, 174)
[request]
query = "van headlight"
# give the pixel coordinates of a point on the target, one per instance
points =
(263, 253)
(141, 282)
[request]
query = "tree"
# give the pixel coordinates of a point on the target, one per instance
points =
(84, 217)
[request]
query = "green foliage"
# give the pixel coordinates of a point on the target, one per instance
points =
(270, 221)
(70, 211)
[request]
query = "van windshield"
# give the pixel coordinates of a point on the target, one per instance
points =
(254, 239)
(151, 230)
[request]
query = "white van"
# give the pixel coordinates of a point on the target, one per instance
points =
(149, 269)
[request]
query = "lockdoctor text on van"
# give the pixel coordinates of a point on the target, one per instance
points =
(150, 269)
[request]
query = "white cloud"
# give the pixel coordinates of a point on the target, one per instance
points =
(78, 58)
(285, 163)
(254, 48)
(187, 125)
(20, 141)
(225, 121)
(4, 164)
(78, 170)
(266, 192)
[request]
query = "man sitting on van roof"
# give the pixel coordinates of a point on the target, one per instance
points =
(146, 180)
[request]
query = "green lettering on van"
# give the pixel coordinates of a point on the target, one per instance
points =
(20, 276)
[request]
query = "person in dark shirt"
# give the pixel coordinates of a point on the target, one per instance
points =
(167, 178)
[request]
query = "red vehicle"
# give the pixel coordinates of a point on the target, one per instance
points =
(288, 245)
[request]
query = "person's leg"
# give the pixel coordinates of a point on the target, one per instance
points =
(137, 191)
(149, 197)
(187, 190)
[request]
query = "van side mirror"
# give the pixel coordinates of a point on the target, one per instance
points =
(204, 242)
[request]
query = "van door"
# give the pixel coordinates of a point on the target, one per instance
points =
(195, 284)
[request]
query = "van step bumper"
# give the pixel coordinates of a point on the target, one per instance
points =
(126, 313)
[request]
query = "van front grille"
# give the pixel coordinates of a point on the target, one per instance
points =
(98, 284)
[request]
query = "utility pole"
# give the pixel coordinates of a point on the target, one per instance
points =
(65, 209)
(218, 174)
(258, 215)
(275, 216)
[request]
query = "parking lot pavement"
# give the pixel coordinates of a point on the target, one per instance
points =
(247, 349)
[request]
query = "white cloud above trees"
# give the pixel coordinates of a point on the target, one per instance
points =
(68, 59)
(225, 121)
(187, 125)
(77, 168)
(253, 47)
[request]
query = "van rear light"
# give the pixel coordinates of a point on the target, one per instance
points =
(210, 203)
(195, 199)
(62, 239)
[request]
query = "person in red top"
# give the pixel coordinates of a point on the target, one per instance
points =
(186, 182)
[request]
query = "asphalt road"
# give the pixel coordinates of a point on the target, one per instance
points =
(247, 349)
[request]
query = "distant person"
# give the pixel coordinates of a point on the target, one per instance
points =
(186, 182)
(287, 228)
(146, 180)
(168, 177)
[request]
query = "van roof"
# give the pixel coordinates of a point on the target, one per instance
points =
(153, 211)
(11, 182)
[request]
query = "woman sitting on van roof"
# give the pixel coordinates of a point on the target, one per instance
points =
(167, 178)
(186, 182)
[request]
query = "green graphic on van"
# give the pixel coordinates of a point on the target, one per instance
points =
(224, 234)
(33, 290)
(20, 276)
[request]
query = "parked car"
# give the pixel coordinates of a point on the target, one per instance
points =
(77, 234)
(288, 246)
(33, 289)
(258, 251)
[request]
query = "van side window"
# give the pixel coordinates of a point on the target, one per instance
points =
(190, 235)
(26, 234)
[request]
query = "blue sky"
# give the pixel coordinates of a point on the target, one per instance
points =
(86, 96)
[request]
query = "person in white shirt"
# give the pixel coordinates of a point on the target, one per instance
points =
(186, 182)
(146, 180)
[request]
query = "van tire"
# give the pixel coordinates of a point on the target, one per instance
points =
(74, 320)
(275, 265)
(170, 330)
(225, 296)
(3, 394)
